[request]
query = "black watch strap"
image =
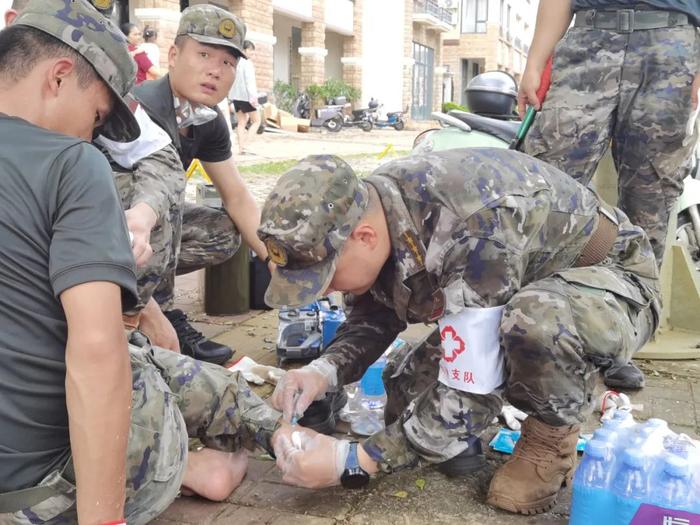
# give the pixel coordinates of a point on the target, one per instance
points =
(354, 476)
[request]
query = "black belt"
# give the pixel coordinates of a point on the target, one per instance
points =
(628, 20)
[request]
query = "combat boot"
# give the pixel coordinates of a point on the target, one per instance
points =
(543, 461)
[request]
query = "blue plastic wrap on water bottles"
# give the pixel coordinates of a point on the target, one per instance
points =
(637, 474)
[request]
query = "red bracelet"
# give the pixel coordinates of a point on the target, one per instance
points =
(115, 522)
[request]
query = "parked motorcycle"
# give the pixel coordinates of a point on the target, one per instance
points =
(394, 119)
(345, 117)
(688, 227)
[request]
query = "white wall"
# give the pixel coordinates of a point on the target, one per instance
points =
(333, 66)
(382, 29)
(282, 29)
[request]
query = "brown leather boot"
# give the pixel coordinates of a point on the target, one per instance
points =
(543, 461)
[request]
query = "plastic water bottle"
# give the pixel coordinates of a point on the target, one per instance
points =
(673, 487)
(373, 395)
(605, 435)
(592, 502)
(372, 398)
(630, 486)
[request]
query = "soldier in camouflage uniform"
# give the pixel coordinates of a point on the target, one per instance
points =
(428, 237)
(182, 236)
(102, 434)
(622, 79)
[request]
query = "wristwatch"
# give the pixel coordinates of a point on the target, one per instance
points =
(354, 476)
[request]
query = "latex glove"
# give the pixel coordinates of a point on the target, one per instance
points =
(140, 220)
(158, 328)
(299, 388)
(309, 459)
(512, 416)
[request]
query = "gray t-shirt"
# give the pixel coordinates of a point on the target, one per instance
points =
(689, 7)
(61, 225)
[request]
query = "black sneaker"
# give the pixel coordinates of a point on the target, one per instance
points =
(626, 377)
(465, 463)
(322, 415)
(194, 344)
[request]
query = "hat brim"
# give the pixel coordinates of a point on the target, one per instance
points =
(218, 42)
(121, 125)
(296, 288)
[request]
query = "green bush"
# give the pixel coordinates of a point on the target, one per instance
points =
(285, 95)
(447, 106)
(332, 88)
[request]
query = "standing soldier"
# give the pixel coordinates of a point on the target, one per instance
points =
(530, 278)
(625, 76)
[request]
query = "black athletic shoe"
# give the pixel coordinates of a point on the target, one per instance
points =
(465, 463)
(626, 377)
(322, 415)
(194, 344)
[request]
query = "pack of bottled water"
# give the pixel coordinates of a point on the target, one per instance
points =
(637, 474)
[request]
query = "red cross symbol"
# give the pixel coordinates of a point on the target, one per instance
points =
(452, 344)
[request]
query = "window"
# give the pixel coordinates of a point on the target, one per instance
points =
(508, 24)
(474, 16)
(501, 17)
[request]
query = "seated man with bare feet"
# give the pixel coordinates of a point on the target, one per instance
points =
(94, 430)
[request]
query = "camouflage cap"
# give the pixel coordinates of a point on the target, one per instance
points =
(77, 24)
(209, 24)
(307, 218)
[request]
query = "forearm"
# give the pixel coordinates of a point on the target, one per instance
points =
(553, 19)
(245, 214)
(98, 398)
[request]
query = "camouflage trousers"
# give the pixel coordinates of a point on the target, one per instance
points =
(554, 334)
(186, 238)
(632, 92)
(173, 397)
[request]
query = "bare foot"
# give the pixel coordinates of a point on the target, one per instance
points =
(213, 474)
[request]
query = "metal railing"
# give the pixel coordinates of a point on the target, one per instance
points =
(431, 7)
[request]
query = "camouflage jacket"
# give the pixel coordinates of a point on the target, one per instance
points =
(469, 228)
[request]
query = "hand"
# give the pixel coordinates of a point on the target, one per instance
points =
(694, 94)
(308, 459)
(527, 92)
(140, 220)
(158, 328)
(297, 390)
(253, 101)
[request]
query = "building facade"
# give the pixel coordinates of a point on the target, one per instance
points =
(489, 35)
(390, 50)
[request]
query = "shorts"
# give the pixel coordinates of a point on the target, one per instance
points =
(243, 106)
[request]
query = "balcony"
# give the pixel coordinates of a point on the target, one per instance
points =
(339, 16)
(428, 12)
(295, 9)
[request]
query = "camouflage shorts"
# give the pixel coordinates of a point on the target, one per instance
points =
(173, 396)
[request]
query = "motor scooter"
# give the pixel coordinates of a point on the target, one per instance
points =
(394, 119)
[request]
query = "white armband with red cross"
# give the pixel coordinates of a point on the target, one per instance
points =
(472, 360)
